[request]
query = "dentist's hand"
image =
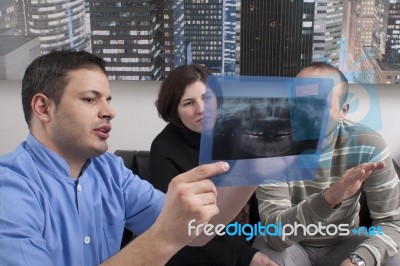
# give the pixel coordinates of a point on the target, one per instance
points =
(191, 195)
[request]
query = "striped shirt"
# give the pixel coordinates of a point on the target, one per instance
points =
(302, 202)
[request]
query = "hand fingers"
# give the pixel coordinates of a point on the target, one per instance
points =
(368, 168)
(194, 195)
(362, 171)
(381, 165)
(204, 199)
(203, 171)
(183, 189)
(204, 214)
(202, 186)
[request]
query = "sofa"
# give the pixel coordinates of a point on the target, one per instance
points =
(138, 160)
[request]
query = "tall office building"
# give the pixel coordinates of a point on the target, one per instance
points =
(383, 59)
(229, 38)
(237, 36)
(210, 29)
(280, 37)
(60, 24)
(21, 20)
(172, 35)
(362, 18)
(346, 18)
(276, 36)
(140, 40)
(359, 36)
(328, 24)
(7, 14)
(386, 37)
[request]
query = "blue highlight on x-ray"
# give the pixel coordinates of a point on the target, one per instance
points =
(269, 129)
(364, 105)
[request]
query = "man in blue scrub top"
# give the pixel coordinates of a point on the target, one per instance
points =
(65, 201)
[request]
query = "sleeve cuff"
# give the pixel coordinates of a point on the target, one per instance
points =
(318, 202)
(366, 255)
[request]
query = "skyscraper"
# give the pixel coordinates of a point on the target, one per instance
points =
(141, 40)
(360, 28)
(362, 18)
(210, 29)
(229, 38)
(7, 14)
(21, 21)
(386, 37)
(59, 24)
(172, 35)
(327, 30)
(276, 36)
(280, 37)
(383, 60)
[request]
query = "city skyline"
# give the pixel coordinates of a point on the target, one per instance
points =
(145, 40)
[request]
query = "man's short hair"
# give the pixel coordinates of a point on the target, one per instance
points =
(342, 78)
(48, 74)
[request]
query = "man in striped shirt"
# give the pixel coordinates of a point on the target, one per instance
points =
(325, 210)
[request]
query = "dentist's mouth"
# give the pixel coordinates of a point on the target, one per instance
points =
(103, 132)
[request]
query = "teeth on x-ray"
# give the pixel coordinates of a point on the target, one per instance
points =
(249, 128)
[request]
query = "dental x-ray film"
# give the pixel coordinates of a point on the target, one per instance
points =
(268, 129)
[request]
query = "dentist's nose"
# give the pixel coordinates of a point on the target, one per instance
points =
(107, 111)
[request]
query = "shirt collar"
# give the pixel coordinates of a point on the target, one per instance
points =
(48, 159)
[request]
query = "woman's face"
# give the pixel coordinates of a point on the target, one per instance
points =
(191, 106)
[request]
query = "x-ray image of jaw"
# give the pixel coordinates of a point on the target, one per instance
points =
(261, 127)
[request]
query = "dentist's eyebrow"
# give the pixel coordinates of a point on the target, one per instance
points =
(96, 93)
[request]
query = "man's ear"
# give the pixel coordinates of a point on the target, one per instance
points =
(343, 111)
(40, 105)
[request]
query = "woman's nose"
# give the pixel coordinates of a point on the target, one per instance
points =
(200, 107)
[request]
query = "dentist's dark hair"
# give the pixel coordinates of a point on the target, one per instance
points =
(49, 74)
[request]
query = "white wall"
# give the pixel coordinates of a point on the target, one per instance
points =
(387, 113)
(137, 122)
(134, 127)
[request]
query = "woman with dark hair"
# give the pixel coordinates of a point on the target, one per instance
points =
(176, 150)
